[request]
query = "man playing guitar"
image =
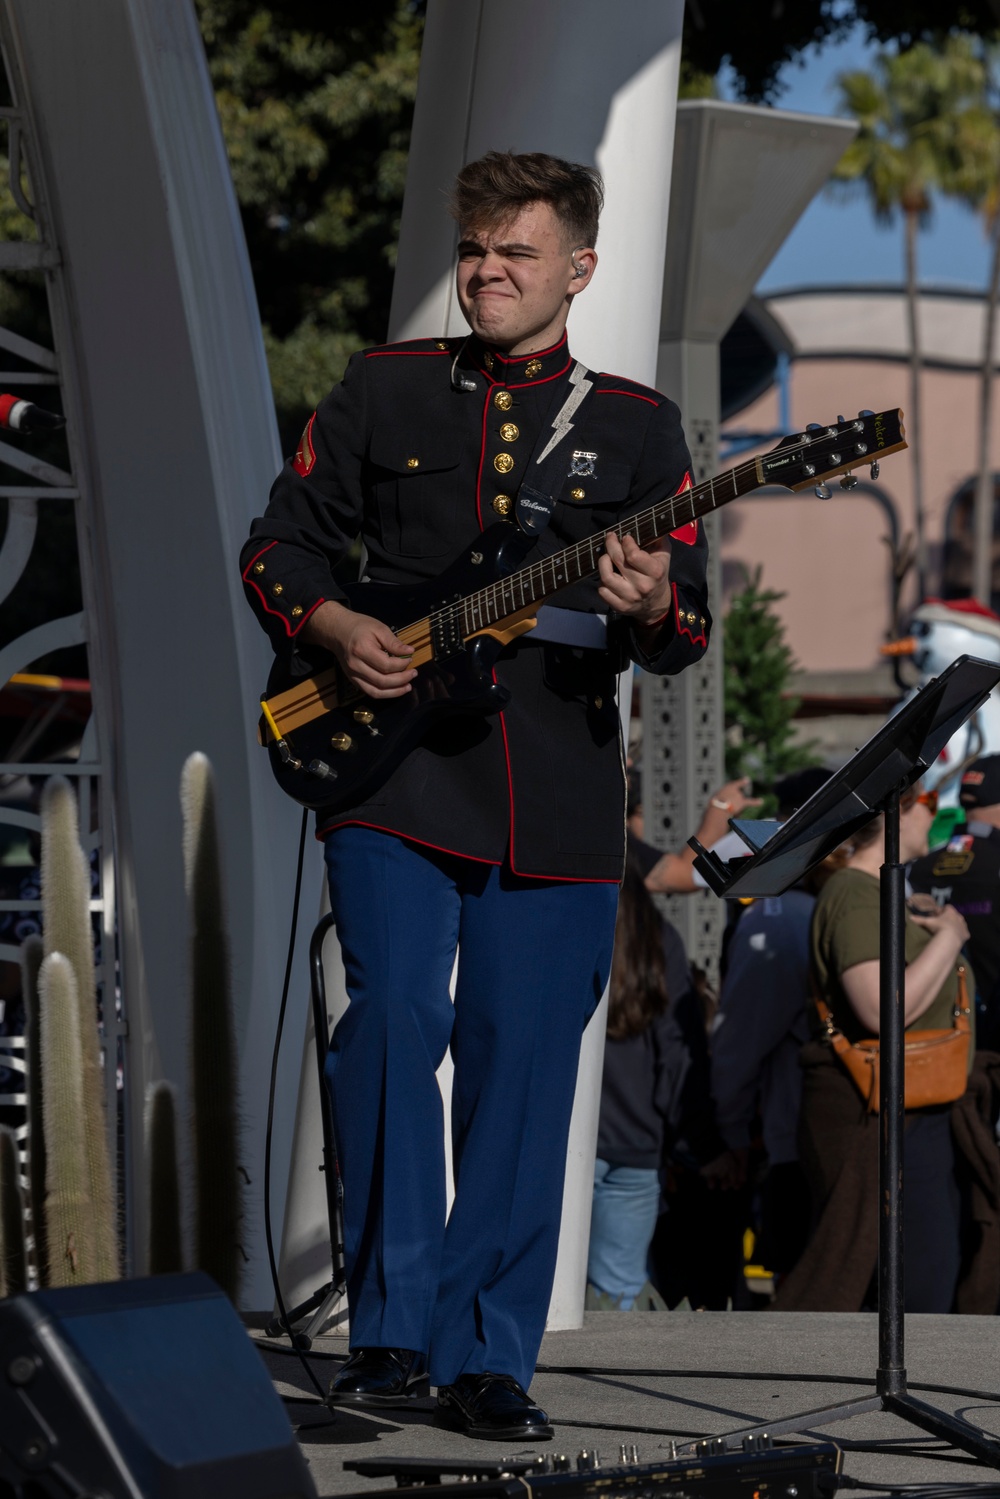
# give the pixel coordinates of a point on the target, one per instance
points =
(499, 836)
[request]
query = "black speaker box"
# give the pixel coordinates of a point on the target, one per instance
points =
(139, 1389)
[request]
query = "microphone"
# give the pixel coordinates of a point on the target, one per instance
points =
(18, 415)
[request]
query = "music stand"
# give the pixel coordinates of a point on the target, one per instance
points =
(896, 757)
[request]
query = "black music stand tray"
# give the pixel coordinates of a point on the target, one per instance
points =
(896, 757)
(300, 1326)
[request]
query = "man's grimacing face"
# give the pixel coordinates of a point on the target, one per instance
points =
(515, 283)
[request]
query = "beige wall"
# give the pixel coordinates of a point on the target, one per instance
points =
(828, 556)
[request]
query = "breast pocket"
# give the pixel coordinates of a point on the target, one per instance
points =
(416, 483)
(591, 502)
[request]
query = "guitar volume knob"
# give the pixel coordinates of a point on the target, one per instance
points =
(363, 715)
(341, 741)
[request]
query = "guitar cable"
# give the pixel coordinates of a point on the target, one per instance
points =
(279, 1028)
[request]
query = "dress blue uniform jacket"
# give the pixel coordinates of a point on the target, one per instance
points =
(416, 467)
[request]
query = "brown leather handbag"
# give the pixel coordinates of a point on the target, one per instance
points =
(936, 1063)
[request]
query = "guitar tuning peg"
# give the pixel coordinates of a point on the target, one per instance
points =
(874, 470)
(848, 481)
(840, 421)
(822, 491)
(813, 427)
(866, 412)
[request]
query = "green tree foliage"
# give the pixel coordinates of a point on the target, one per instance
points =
(920, 112)
(759, 705)
(758, 40)
(316, 102)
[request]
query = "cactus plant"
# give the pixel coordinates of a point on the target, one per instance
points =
(165, 1252)
(65, 879)
(213, 1054)
(13, 1253)
(73, 1228)
(32, 953)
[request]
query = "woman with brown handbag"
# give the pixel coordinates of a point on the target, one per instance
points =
(839, 1126)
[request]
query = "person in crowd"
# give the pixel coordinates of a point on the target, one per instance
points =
(654, 1097)
(838, 1137)
(760, 1027)
(965, 873)
(674, 873)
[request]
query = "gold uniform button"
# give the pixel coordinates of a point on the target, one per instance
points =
(533, 368)
(413, 462)
(702, 622)
(489, 362)
(510, 432)
(598, 702)
(503, 463)
(441, 345)
(690, 619)
(258, 568)
(578, 494)
(503, 400)
(278, 588)
(296, 611)
(502, 504)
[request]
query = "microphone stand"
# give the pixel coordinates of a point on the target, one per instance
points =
(323, 1300)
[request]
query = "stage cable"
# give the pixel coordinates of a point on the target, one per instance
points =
(279, 1299)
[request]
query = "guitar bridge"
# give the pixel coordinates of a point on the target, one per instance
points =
(446, 634)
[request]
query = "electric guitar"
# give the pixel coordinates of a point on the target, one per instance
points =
(331, 746)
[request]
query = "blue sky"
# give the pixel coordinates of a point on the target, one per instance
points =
(837, 242)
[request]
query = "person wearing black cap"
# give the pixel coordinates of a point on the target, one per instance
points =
(965, 873)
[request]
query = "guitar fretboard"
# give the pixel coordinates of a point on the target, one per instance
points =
(538, 580)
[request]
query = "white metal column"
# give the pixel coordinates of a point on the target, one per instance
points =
(170, 402)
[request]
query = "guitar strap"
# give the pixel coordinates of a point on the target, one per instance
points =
(536, 497)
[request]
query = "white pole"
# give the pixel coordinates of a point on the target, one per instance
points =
(596, 83)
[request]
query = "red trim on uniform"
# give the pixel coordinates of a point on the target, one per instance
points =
(253, 559)
(305, 455)
(311, 610)
(357, 822)
(406, 353)
(680, 620)
(509, 359)
(634, 394)
(510, 778)
(263, 596)
(526, 384)
(687, 533)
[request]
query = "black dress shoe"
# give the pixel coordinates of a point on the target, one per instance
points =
(380, 1377)
(492, 1407)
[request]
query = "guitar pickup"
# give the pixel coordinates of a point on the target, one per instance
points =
(446, 634)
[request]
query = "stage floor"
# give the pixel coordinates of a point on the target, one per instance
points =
(705, 1388)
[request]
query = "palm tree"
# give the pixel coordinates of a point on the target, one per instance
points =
(976, 179)
(909, 111)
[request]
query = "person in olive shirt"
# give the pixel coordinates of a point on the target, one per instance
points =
(837, 1136)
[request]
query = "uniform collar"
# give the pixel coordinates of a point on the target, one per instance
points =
(525, 369)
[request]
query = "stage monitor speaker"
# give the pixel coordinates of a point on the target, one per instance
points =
(139, 1389)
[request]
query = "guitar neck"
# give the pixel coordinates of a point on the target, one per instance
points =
(539, 580)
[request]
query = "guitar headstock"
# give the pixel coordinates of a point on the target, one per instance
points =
(804, 459)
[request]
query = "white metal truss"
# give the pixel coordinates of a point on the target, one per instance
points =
(43, 483)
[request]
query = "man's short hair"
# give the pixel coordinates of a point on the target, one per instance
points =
(488, 193)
